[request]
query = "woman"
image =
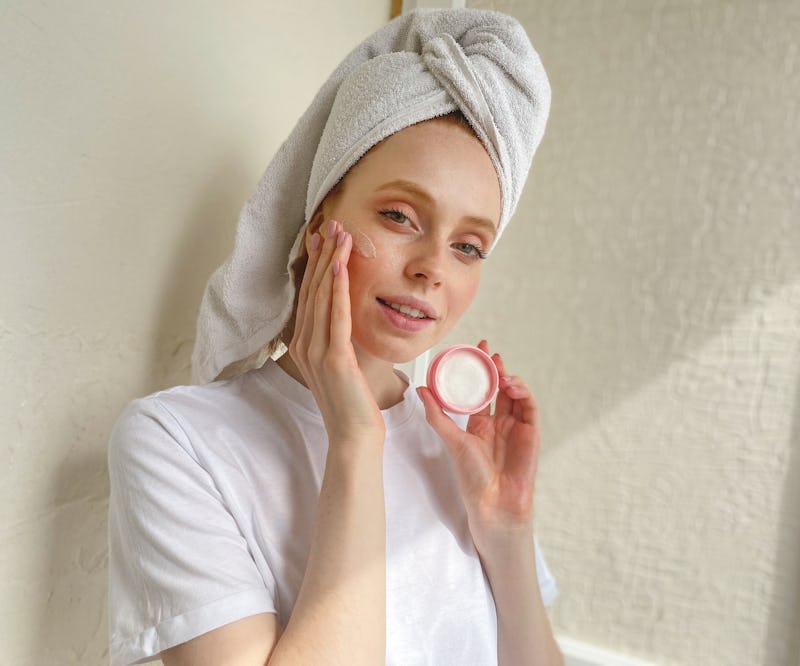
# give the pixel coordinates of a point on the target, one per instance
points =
(317, 509)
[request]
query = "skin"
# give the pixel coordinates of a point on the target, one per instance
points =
(425, 230)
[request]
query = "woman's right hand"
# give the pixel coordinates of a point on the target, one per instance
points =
(321, 346)
(348, 550)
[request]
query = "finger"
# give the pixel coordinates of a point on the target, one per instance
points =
(328, 232)
(315, 243)
(524, 406)
(333, 295)
(486, 411)
(341, 319)
(444, 426)
(317, 311)
(322, 285)
(504, 402)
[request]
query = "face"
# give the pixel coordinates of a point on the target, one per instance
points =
(423, 208)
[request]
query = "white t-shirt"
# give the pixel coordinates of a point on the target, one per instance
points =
(213, 496)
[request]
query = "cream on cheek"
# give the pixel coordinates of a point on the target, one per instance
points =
(362, 243)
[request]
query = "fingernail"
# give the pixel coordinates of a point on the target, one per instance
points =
(315, 239)
(331, 228)
(336, 267)
(340, 238)
(505, 378)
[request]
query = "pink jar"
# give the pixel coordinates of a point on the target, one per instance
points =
(463, 379)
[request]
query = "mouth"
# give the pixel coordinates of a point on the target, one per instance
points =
(407, 314)
(420, 311)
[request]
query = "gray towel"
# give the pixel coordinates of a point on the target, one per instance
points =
(419, 66)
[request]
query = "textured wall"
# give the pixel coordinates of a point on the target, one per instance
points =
(649, 291)
(131, 134)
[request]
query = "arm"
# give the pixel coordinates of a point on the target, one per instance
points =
(495, 462)
(340, 613)
(247, 641)
(524, 635)
(339, 616)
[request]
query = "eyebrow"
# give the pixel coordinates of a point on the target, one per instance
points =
(422, 193)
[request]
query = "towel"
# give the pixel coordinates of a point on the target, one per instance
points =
(421, 65)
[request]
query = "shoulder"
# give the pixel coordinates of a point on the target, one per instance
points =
(206, 422)
(170, 417)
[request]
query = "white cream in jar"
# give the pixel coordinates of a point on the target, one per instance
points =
(463, 379)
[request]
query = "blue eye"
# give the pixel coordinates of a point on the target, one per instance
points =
(470, 250)
(395, 216)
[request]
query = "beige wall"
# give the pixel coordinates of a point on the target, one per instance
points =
(131, 134)
(649, 291)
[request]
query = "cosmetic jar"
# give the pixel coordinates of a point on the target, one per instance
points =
(463, 379)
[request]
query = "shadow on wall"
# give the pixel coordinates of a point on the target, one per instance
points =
(207, 238)
(662, 206)
(675, 251)
(73, 627)
(786, 594)
(655, 214)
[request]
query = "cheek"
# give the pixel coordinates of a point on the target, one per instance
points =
(362, 273)
(363, 245)
(378, 263)
(465, 294)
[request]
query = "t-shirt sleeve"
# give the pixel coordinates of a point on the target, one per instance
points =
(547, 582)
(178, 565)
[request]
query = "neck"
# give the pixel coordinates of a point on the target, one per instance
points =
(386, 386)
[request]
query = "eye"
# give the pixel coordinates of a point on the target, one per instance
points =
(470, 250)
(396, 216)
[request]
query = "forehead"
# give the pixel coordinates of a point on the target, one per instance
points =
(443, 157)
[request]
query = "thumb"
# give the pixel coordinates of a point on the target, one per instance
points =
(444, 426)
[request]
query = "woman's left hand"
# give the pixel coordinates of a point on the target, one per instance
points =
(495, 459)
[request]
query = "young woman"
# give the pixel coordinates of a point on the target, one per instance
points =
(320, 509)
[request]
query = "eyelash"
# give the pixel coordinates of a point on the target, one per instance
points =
(390, 212)
(475, 250)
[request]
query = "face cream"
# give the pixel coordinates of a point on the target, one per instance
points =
(361, 242)
(463, 379)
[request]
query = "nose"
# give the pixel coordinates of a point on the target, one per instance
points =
(427, 262)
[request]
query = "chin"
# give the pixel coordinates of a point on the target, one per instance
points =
(399, 352)
(406, 358)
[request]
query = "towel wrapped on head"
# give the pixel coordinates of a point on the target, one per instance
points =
(421, 65)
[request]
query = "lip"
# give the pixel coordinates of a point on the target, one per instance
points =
(404, 322)
(423, 306)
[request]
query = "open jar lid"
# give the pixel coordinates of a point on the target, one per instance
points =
(463, 379)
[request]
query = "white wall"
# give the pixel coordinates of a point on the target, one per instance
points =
(652, 276)
(648, 290)
(131, 135)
